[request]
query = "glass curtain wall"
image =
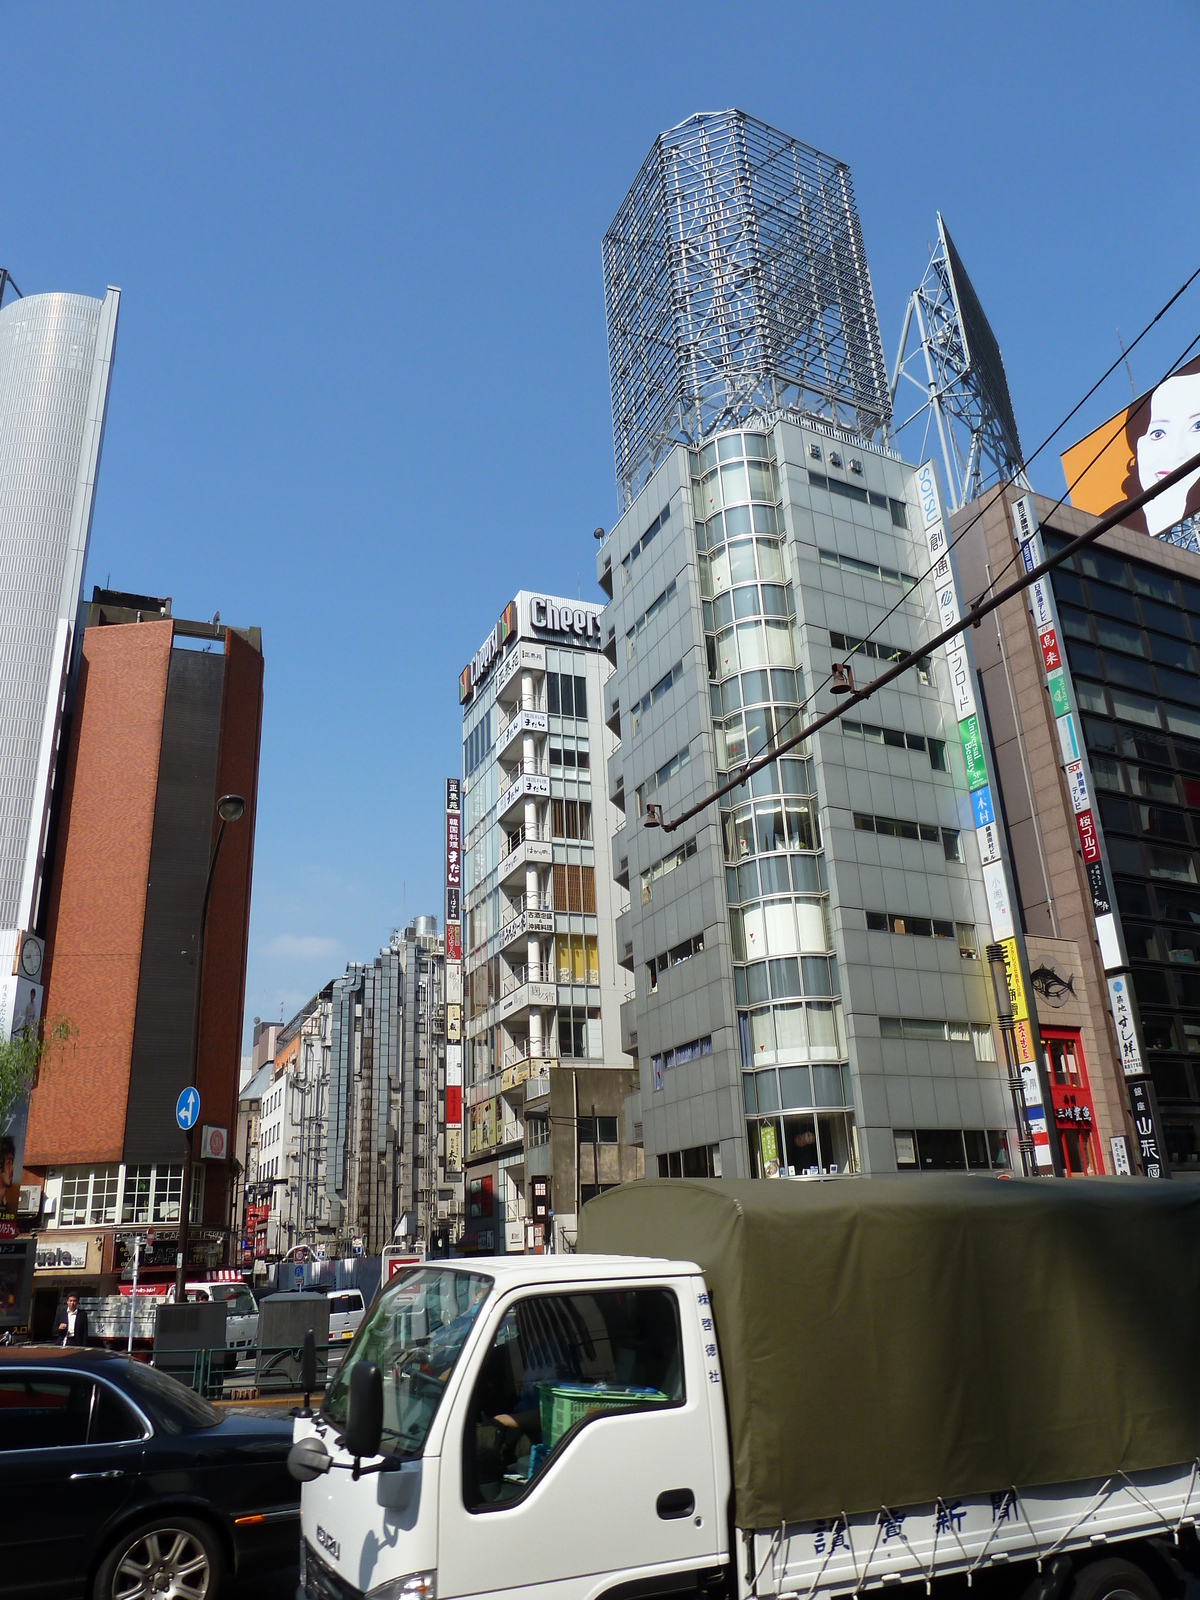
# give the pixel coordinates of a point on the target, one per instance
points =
(791, 1029)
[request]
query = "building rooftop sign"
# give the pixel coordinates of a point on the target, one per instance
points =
(546, 618)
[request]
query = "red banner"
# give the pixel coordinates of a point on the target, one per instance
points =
(1088, 841)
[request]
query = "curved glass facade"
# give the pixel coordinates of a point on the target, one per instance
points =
(791, 1030)
(55, 359)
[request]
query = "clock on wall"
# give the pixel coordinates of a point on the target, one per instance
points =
(30, 957)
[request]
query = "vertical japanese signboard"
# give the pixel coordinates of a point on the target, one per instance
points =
(453, 924)
(978, 762)
(1077, 773)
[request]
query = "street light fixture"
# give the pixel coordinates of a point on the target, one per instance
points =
(230, 808)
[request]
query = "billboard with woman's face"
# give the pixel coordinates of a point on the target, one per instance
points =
(1133, 450)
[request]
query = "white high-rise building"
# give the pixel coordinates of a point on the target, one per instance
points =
(56, 355)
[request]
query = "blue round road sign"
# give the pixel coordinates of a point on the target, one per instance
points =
(187, 1108)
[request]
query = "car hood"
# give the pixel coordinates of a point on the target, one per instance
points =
(250, 1428)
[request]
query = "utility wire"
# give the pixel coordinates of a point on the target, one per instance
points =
(998, 492)
(981, 609)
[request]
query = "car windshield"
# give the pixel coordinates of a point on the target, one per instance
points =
(170, 1407)
(414, 1333)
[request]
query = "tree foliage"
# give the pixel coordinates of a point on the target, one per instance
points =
(23, 1057)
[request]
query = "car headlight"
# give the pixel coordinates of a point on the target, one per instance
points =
(415, 1586)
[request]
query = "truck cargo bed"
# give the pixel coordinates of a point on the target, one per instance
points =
(841, 1555)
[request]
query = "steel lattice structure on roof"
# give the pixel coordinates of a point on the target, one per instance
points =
(736, 286)
(960, 372)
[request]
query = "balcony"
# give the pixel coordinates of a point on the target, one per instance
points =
(619, 846)
(616, 780)
(524, 849)
(605, 576)
(624, 925)
(517, 726)
(610, 645)
(612, 715)
(629, 1038)
(528, 785)
(522, 1068)
(534, 919)
(526, 988)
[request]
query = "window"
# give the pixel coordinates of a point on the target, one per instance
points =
(537, 1130)
(847, 645)
(555, 1362)
(899, 828)
(579, 1033)
(866, 569)
(699, 1161)
(577, 958)
(574, 888)
(40, 1412)
(691, 1051)
(951, 1149)
(597, 1130)
(654, 695)
(647, 616)
(668, 864)
(667, 770)
(571, 819)
(112, 1419)
(627, 572)
(925, 928)
(417, 1325)
(933, 1031)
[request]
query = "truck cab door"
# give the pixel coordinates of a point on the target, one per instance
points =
(586, 1448)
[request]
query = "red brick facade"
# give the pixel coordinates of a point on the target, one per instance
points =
(98, 896)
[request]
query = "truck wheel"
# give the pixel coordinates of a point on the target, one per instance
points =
(175, 1556)
(1112, 1579)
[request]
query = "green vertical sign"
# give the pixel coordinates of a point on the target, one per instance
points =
(1056, 682)
(972, 747)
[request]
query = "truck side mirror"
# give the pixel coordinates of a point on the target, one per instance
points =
(308, 1370)
(364, 1423)
(308, 1459)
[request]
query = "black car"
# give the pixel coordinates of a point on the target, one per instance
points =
(117, 1483)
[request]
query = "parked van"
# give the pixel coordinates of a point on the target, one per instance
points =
(346, 1311)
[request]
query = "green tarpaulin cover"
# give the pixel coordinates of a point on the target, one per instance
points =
(885, 1341)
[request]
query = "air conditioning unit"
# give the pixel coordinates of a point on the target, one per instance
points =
(29, 1203)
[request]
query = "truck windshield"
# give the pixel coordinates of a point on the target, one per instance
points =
(414, 1333)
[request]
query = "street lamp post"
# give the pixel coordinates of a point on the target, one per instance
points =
(1004, 1016)
(230, 808)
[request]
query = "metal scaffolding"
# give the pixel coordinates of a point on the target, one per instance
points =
(736, 286)
(960, 373)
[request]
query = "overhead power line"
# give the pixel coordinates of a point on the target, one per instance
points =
(970, 618)
(997, 492)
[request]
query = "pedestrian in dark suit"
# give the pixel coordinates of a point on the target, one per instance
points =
(73, 1329)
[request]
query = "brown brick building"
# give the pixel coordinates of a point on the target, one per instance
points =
(167, 717)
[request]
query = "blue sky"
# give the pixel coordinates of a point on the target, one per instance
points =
(361, 393)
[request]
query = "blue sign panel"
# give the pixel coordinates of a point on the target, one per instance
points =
(187, 1108)
(981, 805)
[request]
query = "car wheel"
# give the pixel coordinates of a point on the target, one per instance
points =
(1112, 1579)
(172, 1558)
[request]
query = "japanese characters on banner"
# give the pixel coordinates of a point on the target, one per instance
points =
(996, 879)
(453, 924)
(1141, 1104)
(1076, 771)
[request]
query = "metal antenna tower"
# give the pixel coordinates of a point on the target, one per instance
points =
(5, 280)
(736, 286)
(960, 373)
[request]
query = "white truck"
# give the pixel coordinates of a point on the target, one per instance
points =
(802, 1389)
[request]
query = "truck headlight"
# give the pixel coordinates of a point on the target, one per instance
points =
(415, 1586)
